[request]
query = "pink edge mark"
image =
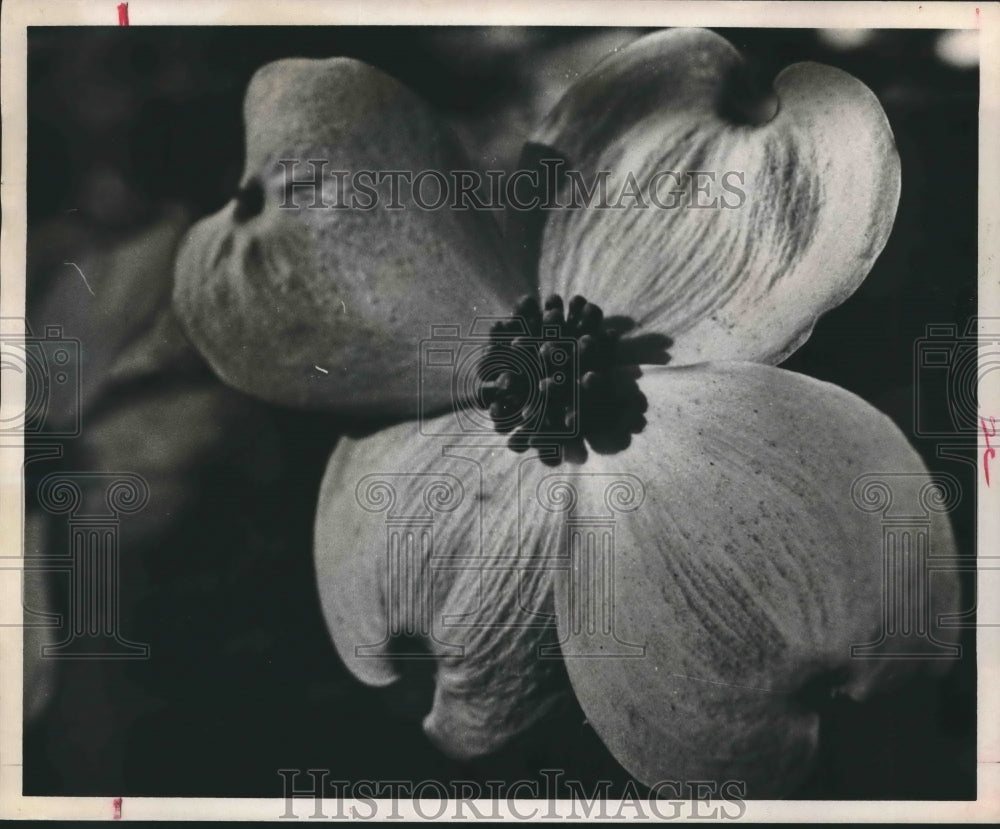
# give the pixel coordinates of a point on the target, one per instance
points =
(123, 14)
(989, 453)
(117, 802)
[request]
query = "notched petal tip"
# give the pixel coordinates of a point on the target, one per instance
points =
(745, 98)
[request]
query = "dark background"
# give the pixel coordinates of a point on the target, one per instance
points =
(242, 680)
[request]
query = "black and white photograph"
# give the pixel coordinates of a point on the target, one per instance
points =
(485, 416)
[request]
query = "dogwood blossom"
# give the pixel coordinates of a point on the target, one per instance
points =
(695, 579)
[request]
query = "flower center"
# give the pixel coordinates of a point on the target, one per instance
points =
(556, 379)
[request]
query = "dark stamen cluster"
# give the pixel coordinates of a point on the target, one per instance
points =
(552, 377)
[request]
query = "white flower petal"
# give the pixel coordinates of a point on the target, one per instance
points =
(425, 555)
(747, 574)
(303, 303)
(793, 210)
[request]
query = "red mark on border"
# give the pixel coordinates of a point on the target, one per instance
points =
(123, 14)
(989, 453)
(117, 803)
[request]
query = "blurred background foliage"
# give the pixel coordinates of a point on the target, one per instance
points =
(135, 132)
